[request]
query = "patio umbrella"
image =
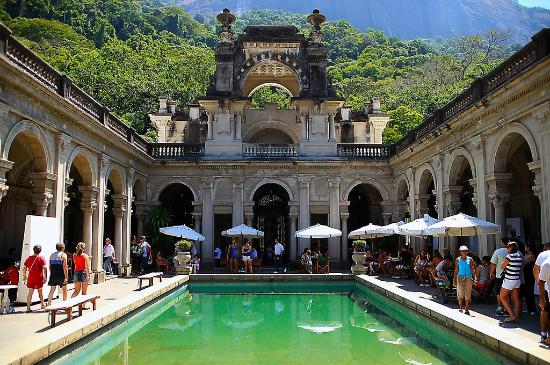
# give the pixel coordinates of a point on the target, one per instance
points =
(462, 225)
(369, 231)
(182, 232)
(392, 228)
(417, 227)
(242, 231)
(318, 231)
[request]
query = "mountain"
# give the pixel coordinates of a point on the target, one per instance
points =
(406, 19)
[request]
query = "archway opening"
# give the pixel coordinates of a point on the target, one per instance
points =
(29, 156)
(271, 136)
(73, 220)
(364, 208)
(271, 72)
(178, 199)
(271, 216)
(270, 93)
(523, 212)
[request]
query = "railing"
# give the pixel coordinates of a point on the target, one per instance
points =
(175, 151)
(263, 150)
(365, 151)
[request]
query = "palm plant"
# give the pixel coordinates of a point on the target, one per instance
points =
(158, 218)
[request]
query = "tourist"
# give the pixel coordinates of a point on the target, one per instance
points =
(35, 266)
(544, 290)
(246, 257)
(436, 259)
(145, 254)
(195, 264)
(464, 277)
(497, 273)
(307, 261)
(529, 278)
(512, 266)
(254, 258)
(382, 262)
(81, 270)
(420, 266)
(233, 256)
(108, 256)
(279, 250)
(544, 314)
(135, 247)
(217, 256)
(59, 272)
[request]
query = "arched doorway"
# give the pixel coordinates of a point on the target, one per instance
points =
(271, 216)
(364, 208)
(426, 197)
(27, 180)
(73, 220)
(522, 209)
(178, 199)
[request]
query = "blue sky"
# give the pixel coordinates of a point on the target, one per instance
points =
(541, 3)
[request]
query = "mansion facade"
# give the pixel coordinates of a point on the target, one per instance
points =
(221, 163)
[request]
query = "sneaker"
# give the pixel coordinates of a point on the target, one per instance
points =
(460, 310)
(501, 313)
(543, 339)
(467, 312)
(533, 314)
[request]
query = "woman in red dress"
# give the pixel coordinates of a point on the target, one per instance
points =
(37, 270)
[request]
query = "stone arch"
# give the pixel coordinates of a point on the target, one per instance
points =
(504, 144)
(275, 84)
(427, 171)
(44, 161)
(139, 189)
(384, 193)
(457, 159)
(82, 159)
(294, 83)
(272, 125)
(116, 176)
(402, 187)
(285, 186)
(167, 183)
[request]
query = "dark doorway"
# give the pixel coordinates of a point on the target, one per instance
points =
(177, 199)
(72, 231)
(271, 217)
(221, 223)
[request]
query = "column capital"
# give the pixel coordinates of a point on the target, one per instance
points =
(88, 206)
(387, 217)
(294, 210)
(538, 190)
(344, 217)
(104, 161)
(207, 183)
(304, 182)
(119, 204)
(334, 182)
(63, 143)
(499, 199)
(5, 166)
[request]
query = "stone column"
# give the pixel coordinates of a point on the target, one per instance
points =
(304, 216)
(62, 148)
(88, 204)
(538, 190)
(249, 215)
(140, 213)
(5, 166)
(452, 199)
(42, 191)
(207, 249)
(334, 249)
(99, 218)
(119, 211)
(238, 126)
(304, 122)
(499, 196)
(345, 241)
(210, 132)
(237, 215)
(421, 204)
(293, 218)
(331, 128)
(542, 115)
(197, 218)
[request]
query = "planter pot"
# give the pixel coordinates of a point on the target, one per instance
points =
(358, 268)
(183, 258)
(125, 270)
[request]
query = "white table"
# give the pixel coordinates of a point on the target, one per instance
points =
(6, 304)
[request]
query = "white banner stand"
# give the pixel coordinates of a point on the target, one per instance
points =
(41, 231)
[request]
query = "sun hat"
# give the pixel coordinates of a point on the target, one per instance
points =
(463, 248)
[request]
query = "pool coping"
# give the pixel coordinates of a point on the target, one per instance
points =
(68, 333)
(492, 336)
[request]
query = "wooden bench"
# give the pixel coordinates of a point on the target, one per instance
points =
(149, 277)
(67, 306)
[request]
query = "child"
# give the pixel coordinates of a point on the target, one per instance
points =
(195, 264)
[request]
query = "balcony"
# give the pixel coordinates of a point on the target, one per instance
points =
(176, 151)
(365, 151)
(275, 151)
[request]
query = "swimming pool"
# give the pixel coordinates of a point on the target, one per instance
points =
(278, 323)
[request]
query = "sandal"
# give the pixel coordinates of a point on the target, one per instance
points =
(509, 320)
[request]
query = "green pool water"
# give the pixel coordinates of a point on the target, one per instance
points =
(266, 323)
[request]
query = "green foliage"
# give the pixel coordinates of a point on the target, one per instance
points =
(158, 218)
(184, 245)
(359, 245)
(270, 94)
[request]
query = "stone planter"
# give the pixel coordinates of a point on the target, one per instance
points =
(183, 258)
(359, 267)
(125, 270)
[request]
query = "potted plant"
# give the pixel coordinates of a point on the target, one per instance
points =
(358, 257)
(183, 255)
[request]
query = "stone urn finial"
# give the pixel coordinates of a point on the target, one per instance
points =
(226, 19)
(316, 19)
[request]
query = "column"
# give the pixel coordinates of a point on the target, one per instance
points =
(140, 213)
(5, 166)
(42, 191)
(237, 203)
(197, 218)
(304, 217)
(334, 249)
(99, 218)
(88, 204)
(303, 122)
(249, 215)
(345, 242)
(127, 222)
(119, 211)
(293, 221)
(452, 199)
(238, 123)
(207, 249)
(62, 146)
(499, 196)
(538, 189)
(331, 128)
(421, 204)
(210, 132)
(542, 114)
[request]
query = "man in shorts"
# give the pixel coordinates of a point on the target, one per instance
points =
(544, 303)
(497, 272)
(544, 256)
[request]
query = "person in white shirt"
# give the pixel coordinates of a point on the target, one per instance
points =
(146, 252)
(543, 257)
(279, 250)
(544, 279)
(497, 272)
(108, 256)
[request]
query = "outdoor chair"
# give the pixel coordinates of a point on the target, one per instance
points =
(257, 264)
(164, 265)
(323, 265)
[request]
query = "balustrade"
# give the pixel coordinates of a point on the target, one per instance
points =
(265, 150)
(175, 151)
(365, 151)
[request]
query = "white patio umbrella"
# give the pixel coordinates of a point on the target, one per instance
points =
(318, 231)
(182, 232)
(462, 225)
(392, 228)
(369, 231)
(242, 231)
(417, 227)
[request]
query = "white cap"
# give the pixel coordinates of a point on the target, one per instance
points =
(463, 248)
